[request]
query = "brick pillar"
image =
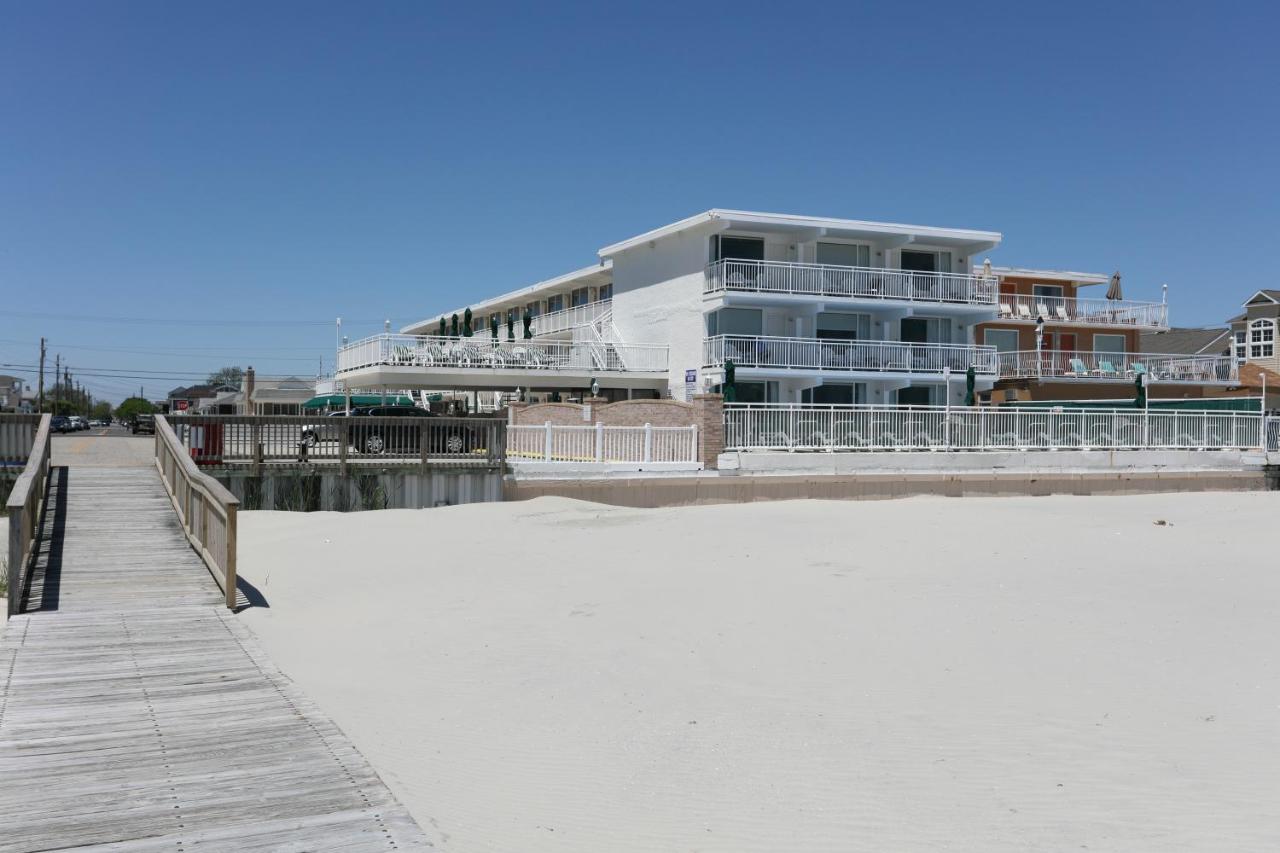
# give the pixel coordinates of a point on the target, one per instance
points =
(514, 410)
(595, 403)
(709, 414)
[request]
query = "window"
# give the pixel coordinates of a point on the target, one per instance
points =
(1004, 340)
(926, 261)
(580, 296)
(755, 392)
(555, 303)
(739, 248)
(1108, 343)
(835, 394)
(916, 395)
(735, 321)
(1052, 290)
(534, 308)
(1238, 347)
(606, 292)
(1262, 339)
(844, 255)
(845, 327)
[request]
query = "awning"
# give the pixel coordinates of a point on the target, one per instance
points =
(333, 401)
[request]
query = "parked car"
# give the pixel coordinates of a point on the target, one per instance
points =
(61, 423)
(325, 429)
(406, 433)
(143, 424)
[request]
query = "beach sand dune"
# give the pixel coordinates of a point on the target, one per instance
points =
(927, 674)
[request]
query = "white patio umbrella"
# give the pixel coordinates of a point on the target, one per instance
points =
(1113, 290)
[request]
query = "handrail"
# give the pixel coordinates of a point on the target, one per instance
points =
(25, 507)
(206, 510)
(830, 280)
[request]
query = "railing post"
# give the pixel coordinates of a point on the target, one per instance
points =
(424, 442)
(546, 444)
(599, 441)
(648, 443)
(694, 455)
(344, 438)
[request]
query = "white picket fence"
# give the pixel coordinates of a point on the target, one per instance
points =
(554, 443)
(772, 426)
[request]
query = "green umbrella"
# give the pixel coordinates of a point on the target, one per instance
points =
(453, 326)
(728, 387)
(528, 323)
(443, 328)
(1140, 399)
(970, 377)
(493, 326)
(511, 325)
(466, 323)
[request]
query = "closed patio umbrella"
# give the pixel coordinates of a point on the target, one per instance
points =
(453, 325)
(728, 388)
(511, 325)
(444, 330)
(528, 325)
(493, 327)
(1113, 289)
(970, 379)
(466, 323)
(1140, 398)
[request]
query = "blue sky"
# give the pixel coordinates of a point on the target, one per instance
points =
(189, 185)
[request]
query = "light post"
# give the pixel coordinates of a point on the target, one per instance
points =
(1039, 347)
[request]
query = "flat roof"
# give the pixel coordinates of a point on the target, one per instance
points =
(601, 272)
(1053, 275)
(754, 220)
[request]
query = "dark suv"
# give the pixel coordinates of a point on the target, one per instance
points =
(405, 433)
(143, 424)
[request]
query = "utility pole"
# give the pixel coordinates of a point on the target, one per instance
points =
(40, 403)
(57, 383)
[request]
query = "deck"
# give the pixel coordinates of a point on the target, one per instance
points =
(138, 714)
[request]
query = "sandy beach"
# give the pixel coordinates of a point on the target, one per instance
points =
(928, 674)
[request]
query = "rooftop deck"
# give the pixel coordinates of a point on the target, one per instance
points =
(1082, 312)
(1116, 366)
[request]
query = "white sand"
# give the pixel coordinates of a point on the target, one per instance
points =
(929, 674)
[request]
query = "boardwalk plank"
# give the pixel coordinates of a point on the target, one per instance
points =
(138, 714)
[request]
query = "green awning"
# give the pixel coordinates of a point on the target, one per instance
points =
(338, 401)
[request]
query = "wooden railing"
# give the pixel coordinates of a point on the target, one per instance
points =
(26, 503)
(206, 510)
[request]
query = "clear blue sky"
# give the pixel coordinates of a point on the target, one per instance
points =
(232, 176)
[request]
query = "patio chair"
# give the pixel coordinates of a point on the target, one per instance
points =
(1024, 311)
(1006, 311)
(1106, 368)
(1077, 368)
(1061, 311)
(1042, 310)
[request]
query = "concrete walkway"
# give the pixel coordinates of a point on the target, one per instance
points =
(138, 714)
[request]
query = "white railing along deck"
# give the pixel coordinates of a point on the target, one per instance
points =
(1096, 312)
(1116, 366)
(826, 280)
(773, 426)
(569, 318)
(552, 443)
(837, 355)
(484, 353)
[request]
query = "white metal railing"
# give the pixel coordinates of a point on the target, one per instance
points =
(1070, 364)
(553, 443)
(485, 353)
(551, 323)
(774, 426)
(815, 354)
(827, 280)
(1065, 309)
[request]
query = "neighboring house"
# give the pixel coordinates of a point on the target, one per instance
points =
(1254, 333)
(11, 393)
(261, 395)
(1189, 341)
(193, 398)
(808, 310)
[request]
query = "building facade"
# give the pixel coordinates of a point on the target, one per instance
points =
(802, 309)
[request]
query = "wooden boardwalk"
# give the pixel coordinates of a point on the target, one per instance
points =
(138, 714)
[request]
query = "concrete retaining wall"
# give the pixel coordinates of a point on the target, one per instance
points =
(312, 489)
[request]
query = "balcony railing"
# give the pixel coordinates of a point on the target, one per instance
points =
(1116, 366)
(1100, 312)
(879, 356)
(569, 318)
(481, 353)
(825, 280)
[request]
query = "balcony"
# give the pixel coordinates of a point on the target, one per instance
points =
(479, 361)
(1083, 312)
(1117, 366)
(569, 318)
(855, 283)
(809, 354)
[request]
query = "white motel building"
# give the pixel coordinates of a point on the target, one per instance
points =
(808, 309)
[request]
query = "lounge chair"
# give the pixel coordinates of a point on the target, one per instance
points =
(1061, 311)
(1006, 311)
(1077, 368)
(1106, 368)
(1024, 312)
(1042, 310)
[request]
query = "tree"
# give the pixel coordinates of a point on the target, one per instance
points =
(101, 410)
(227, 376)
(134, 406)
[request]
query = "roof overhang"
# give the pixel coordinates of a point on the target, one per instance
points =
(595, 275)
(1266, 297)
(815, 227)
(1080, 278)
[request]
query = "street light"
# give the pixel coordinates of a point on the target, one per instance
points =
(1039, 347)
(595, 387)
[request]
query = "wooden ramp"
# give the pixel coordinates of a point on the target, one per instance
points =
(138, 714)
